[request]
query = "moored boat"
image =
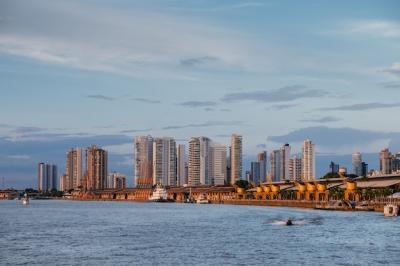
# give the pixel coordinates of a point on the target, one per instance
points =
(25, 199)
(159, 194)
(390, 210)
(202, 199)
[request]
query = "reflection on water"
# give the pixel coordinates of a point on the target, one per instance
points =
(127, 233)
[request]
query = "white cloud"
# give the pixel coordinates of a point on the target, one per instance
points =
(135, 43)
(375, 28)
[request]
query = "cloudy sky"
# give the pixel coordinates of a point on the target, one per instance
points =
(82, 72)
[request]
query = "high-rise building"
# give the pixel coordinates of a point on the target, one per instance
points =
(63, 183)
(262, 159)
(143, 154)
(181, 165)
(333, 168)
(199, 161)
(164, 162)
(274, 166)
(218, 164)
(47, 177)
(364, 169)
(284, 162)
(396, 163)
(74, 169)
(308, 160)
(236, 158)
(96, 168)
(295, 168)
(356, 162)
(385, 161)
(255, 172)
(116, 180)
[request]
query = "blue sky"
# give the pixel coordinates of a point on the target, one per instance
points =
(82, 72)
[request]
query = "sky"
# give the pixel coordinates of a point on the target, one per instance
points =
(76, 73)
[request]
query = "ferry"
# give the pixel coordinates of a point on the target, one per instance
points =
(25, 199)
(159, 194)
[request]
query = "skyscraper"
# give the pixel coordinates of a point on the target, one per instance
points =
(96, 168)
(236, 158)
(199, 161)
(47, 177)
(218, 164)
(295, 168)
(333, 168)
(116, 180)
(284, 162)
(143, 154)
(262, 159)
(181, 163)
(356, 162)
(255, 172)
(385, 161)
(74, 169)
(308, 160)
(164, 162)
(274, 166)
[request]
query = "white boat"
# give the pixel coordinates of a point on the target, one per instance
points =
(159, 194)
(25, 199)
(390, 210)
(202, 199)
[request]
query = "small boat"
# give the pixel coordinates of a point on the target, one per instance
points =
(159, 194)
(289, 222)
(202, 199)
(390, 210)
(25, 199)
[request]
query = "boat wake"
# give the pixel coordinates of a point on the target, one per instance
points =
(283, 222)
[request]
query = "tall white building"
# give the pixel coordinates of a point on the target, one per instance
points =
(295, 168)
(164, 162)
(181, 165)
(116, 180)
(236, 158)
(143, 156)
(308, 160)
(356, 162)
(218, 164)
(47, 177)
(284, 162)
(199, 161)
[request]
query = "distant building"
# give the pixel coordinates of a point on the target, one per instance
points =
(274, 166)
(218, 164)
(47, 177)
(181, 165)
(308, 160)
(116, 180)
(255, 172)
(96, 168)
(199, 161)
(236, 157)
(333, 168)
(164, 162)
(295, 168)
(385, 162)
(75, 169)
(262, 159)
(396, 163)
(143, 154)
(356, 162)
(284, 162)
(364, 169)
(63, 183)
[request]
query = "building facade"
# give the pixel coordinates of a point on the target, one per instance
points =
(143, 156)
(236, 158)
(284, 162)
(164, 162)
(96, 168)
(181, 165)
(47, 177)
(308, 161)
(274, 166)
(295, 168)
(218, 164)
(262, 159)
(356, 162)
(74, 169)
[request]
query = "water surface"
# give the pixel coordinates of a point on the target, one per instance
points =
(126, 233)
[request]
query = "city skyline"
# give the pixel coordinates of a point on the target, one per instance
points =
(196, 68)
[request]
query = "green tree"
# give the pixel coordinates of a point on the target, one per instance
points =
(242, 183)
